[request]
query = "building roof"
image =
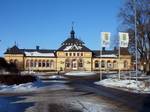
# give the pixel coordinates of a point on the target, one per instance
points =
(13, 50)
(73, 44)
(31, 52)
(71, 40)
(110, 53)
(38, 50)
(39, 54)
(74, 47)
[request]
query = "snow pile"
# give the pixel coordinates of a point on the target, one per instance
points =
(56, 77)
(131, 85)
(21, 87)
(80, 73)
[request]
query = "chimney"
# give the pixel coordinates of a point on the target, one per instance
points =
(37, 48)
(103, 48)
(115, 48)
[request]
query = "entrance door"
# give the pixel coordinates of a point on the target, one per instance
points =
(74, 65)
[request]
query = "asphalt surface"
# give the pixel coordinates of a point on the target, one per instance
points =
(76, 96)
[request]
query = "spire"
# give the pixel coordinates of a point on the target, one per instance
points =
(72, 33)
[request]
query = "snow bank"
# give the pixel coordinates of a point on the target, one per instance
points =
(80, 73)
(21, 87)
(130, 85)
(56, 77)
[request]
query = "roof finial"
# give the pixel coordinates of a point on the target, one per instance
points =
(72, 24)
(15, 43)
(72, 31)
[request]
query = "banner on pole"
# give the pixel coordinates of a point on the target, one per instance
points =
(123, 39)
(105, 39)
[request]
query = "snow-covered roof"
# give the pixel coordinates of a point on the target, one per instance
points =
(108, 56)
(35, 53)
(71, 47)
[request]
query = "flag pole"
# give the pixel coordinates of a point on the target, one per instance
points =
(105, 39)
(100, 65)
(100, 59)
(135, 38)
(119, 61)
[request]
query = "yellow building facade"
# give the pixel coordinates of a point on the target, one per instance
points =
(72, 55)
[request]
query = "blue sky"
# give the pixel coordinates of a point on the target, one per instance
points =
(47, 23)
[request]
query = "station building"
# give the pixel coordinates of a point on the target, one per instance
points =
(73, 55)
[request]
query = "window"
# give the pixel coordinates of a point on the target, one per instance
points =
(16, 61)
(115, 64)
(11, 61)
(66, 54)
(39, 63)
(125, 64)
(74, 54)
(67, 63)
(80, 63)
(102, 64)
(109, 65)
(35, 63)
(47, 63)
(27, 63)
(51, 64)
(31, 63)
(70, 54)
(96, 64)
(78, 54)
(81, 54)
(43, 63)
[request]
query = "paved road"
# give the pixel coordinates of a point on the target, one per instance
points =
(140, 102)
(62, 97)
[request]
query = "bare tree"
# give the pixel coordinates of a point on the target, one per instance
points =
(127, 18)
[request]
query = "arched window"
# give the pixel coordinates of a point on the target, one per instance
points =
(51, 64)
(47, 63)
(27, 63)
(67, 63)
(115, 64)
(43, 63)
(11, 61)
(31, 63)
(35, 63)
(96, 64)
(125, 64)
(80, 63)
(102, 64)
(109, 65)
(16, 61)
(39, 63)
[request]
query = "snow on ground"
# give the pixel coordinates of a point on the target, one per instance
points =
(57, 77)
(21, 87)
(128, 85)
(130, 75)
(35, 86)
(80, 73)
